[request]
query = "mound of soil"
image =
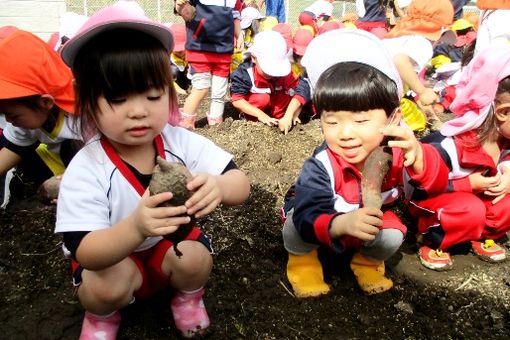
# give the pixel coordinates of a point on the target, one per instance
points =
(248, 295)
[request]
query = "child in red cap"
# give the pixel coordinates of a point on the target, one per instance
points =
(318, 10)
(37, 101)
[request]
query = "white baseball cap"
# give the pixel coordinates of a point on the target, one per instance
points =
(270, 49)
(348, 45)
(248, 15)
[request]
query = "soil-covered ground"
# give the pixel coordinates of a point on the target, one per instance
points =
(248, 295)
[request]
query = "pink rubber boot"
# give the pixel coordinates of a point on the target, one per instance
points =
(189, 313)
(96, 327)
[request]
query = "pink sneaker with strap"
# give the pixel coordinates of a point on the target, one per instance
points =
(189, 313)
(96, 327)
(187, 121)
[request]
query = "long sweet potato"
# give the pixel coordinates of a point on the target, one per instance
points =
(375, 169)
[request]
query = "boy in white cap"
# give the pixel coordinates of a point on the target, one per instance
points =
(262, 87)
(356, 92)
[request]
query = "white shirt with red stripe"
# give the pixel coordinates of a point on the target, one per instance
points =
(95, 194)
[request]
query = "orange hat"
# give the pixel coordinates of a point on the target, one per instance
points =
(493, 4)
(29, 66)
(329, 26)
(426, 18)
(302, 38)
(286, 32)
(179, 33)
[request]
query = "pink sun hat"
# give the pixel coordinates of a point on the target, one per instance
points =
(476, 90)
(122, 14)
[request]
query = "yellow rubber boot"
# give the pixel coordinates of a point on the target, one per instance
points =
(370, 275)
(305, 275)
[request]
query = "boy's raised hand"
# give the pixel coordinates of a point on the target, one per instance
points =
(152, 220)
(405, 139)
(363, 223)
(206, 196)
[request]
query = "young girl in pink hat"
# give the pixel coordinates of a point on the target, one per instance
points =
(474, 211)
(113, 229)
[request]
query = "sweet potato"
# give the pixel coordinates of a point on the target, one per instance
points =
(172, 177)
(375, 169)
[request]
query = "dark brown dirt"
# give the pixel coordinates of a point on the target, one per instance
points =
(248, 296)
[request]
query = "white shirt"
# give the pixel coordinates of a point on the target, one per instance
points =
(493, 30)
(416, 47)
(65, 129)
(95, 195)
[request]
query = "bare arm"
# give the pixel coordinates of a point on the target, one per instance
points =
(408, 74)
(235, 186)
(8, 160)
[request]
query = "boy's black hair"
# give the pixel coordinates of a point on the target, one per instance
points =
(117, 63)
(32, 102)
(352, 86)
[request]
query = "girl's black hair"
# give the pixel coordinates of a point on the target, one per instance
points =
(352, 86)
(117, 63)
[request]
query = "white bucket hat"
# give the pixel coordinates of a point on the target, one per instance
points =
(348, 45)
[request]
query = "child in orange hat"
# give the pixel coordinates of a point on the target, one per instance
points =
(411, 44)
(37, 101)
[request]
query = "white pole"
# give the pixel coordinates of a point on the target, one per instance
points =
(85, 8)
(159, 10)
(287, 11)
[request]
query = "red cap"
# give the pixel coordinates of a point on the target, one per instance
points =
(329, 26)
(286, 32)
(302, 38)
(179, 33)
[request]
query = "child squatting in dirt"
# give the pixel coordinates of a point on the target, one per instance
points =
(113, 229)
(357, 93)
(37, 101)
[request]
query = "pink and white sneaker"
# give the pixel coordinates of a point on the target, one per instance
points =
(97, 327)
(189, 313)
